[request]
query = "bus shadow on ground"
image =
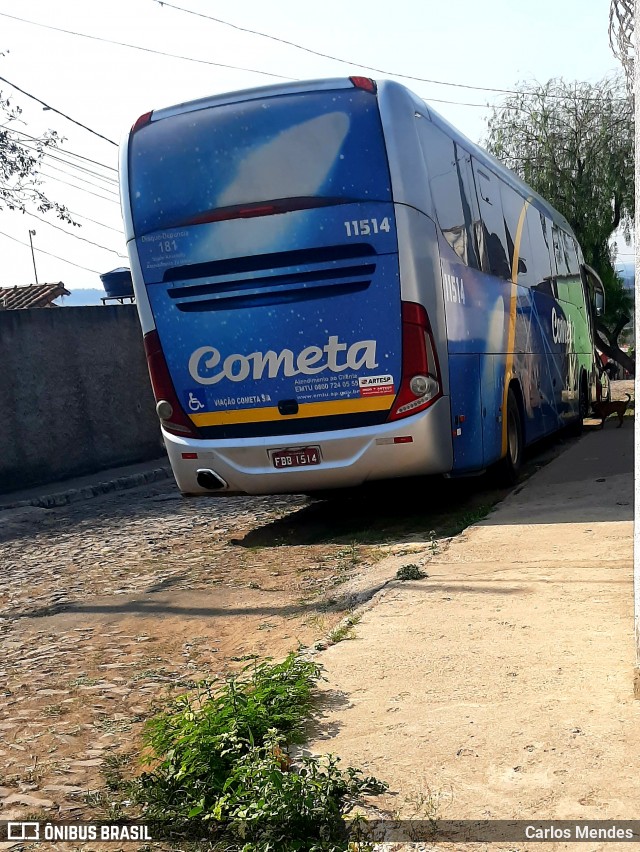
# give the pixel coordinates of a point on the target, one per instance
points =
(396, 510)
(380, 514)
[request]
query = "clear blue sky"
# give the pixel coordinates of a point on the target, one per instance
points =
(106, 86)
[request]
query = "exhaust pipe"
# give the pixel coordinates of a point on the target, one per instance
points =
(210, 480)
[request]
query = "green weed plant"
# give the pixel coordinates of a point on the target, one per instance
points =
(220, 767)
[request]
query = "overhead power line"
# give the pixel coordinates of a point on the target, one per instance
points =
(78, 168)
(83, 179)
(250, 70)
(42, 251)
(81, 188)
(53, 109)
(95, 222)
(76, 236)
(349, 61)
(60, 149)
(256, 70)
(145, 49)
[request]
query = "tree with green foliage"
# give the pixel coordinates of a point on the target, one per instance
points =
(20, 158)
(574, 144)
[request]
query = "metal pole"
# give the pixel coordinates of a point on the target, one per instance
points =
(33, 257)
(636, 513)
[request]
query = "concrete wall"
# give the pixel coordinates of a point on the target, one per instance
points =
(75, 395)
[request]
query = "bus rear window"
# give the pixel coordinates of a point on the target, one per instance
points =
(322, 146)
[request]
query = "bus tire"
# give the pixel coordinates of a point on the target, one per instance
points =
(508, 468)
(575, 428)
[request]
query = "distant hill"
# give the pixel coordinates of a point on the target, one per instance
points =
(627, 271)
(81, 297)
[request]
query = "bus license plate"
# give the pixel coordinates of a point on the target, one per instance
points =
(300, 457)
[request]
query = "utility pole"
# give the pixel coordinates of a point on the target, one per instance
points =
(624, 37)
(33, 257)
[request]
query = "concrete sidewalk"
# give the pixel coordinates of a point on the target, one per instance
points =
(501, 686)
(85, 487)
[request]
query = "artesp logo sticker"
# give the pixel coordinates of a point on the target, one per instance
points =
(376, 385)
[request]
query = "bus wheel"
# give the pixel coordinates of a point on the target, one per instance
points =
(574, 429)
(509, 467)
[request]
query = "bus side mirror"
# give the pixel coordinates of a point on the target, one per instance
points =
(599, 303)
(595, 289)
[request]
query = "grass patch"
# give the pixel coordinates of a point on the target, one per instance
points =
(410, 572)
(459, 522)
(83, 680)
(103, 802)
(345, 630)
(55, 710)
(220, 767)
(113, 767)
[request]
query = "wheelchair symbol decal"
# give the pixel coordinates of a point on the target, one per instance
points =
(194, 403)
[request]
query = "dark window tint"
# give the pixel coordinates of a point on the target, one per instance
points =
(569, 284)
(515, 210)
(317, 145)
(448, 167)
(541, 278)
(562, 264)
(494, 248)
(571, 253)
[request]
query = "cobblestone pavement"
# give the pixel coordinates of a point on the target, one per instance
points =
(109, 604)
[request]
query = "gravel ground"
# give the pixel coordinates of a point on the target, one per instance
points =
(109, 604)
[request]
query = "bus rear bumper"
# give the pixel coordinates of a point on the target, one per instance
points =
(415, 446)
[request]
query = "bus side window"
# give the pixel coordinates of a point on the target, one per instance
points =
(563, 283)
(575, 290)
(496, 258)
(571, 253)
(448, 169)
(542, 278)
(515, 216)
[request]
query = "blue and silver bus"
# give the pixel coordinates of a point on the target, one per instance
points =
(335, 286)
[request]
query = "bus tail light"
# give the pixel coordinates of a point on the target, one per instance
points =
(142, 121)
(420, 385)
(168, 407)
(365, 83)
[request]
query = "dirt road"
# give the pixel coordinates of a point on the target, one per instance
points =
(109, 605)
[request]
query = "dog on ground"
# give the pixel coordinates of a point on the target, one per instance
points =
(604, 409)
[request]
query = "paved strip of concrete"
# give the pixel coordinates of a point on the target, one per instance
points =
(89, 486)
(502, 685)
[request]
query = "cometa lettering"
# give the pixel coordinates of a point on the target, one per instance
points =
(562, 329)
(207, 367)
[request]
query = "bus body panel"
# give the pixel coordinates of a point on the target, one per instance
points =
(310, 327)
(466, 412)
(257, 93)
(241, 342)
(492, 371)
(419, 445)
(421, 275)
(544, 359)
